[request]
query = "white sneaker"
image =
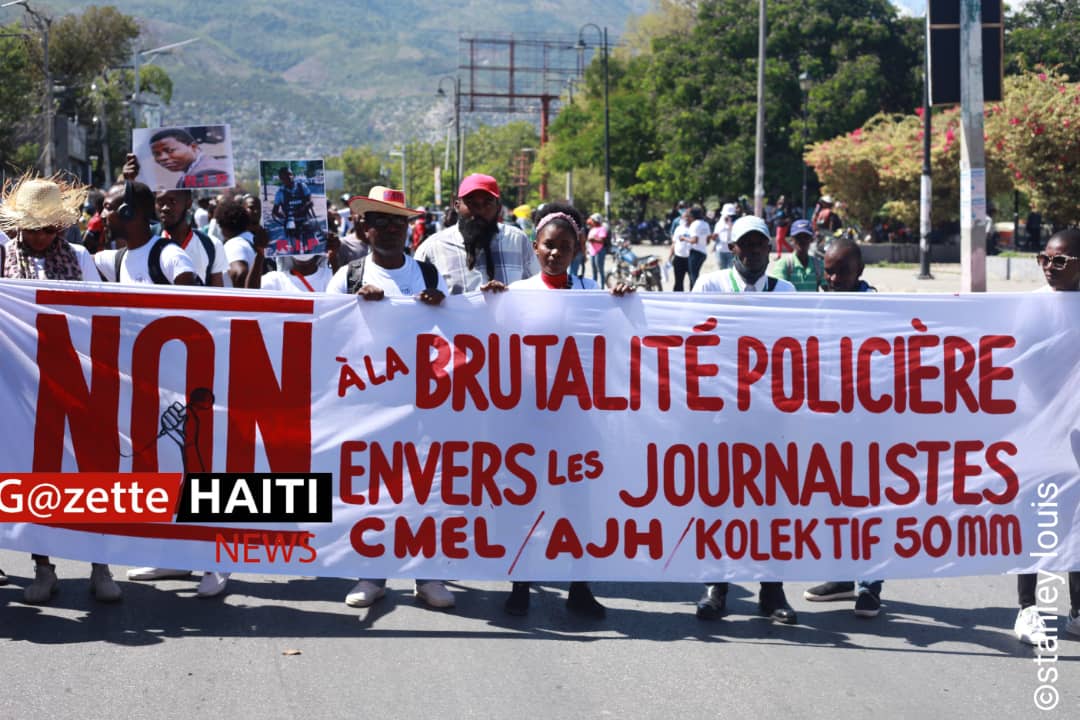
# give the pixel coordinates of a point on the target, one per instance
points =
(1073, 626)
(153, 573)
(212, 584)
(1030, 628)
(102, 585)
(42, 588)
(435, 594)
(364, 594)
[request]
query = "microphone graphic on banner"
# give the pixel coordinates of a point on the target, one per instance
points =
(175, 419)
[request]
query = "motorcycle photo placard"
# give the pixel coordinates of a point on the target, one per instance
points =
(293, 206)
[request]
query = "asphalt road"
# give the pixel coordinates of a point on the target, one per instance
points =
(941, 648)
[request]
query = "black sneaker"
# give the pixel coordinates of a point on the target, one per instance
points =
(867, 604)
(826, 592)
(517, 602)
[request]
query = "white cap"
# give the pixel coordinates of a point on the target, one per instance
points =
(729, 210)
(748, 224)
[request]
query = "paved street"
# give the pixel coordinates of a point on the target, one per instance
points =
(942, 648)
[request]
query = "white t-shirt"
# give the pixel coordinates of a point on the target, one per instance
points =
(135, 268)
(202, 218)
(405, 281)
(700, 230)
(86, 264)
(726, 281)
(197, 253)
(237, 250)
(288, 283)
(536, 282)
(679, 241)
(723, 236)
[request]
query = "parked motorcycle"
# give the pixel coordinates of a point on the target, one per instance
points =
(641, 272)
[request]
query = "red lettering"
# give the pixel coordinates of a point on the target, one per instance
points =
(281, 411)
(64, 397)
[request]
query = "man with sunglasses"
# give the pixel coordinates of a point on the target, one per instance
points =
(382, 220)
(479, 252)
(1060, 262)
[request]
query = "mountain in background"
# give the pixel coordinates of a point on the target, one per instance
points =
(306, 78)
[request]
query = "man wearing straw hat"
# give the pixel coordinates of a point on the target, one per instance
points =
(34, 212)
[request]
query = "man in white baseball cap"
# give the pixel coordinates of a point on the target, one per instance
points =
(749, 244)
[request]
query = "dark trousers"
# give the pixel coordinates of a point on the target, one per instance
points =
(766, 587)
(1026, 584)
(681, 266)
(696, 261)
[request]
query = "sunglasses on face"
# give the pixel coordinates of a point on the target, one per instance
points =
(1058, 262)
(381, 222)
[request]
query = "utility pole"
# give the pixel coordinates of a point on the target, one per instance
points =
(925, 186)
(972, 155)
(759, 145)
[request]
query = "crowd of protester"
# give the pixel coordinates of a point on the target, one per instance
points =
(380, 247)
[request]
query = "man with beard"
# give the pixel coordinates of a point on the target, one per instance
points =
(479, 252)
(750, 245)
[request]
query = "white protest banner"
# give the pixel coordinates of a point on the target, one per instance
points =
(551, 436)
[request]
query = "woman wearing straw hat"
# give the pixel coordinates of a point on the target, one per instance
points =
(35, 211)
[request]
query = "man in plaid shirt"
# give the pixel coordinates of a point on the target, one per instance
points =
(479, 252)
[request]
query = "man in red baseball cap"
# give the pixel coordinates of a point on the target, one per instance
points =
(479, 252)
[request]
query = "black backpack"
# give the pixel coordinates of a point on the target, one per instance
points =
(356, 275)
(208, 247)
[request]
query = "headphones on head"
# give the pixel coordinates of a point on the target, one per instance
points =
(126, 211)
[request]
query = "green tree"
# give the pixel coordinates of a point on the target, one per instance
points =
(494, 150)
(578, 132)
(362, 167)
(1043, 32)
(862, 56)
(17, 96)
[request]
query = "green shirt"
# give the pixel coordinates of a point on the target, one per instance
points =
(805, 278)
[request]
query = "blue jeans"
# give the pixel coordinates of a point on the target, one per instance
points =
(597, 262)
(724, 260)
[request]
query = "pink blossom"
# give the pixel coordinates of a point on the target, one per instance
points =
(919, 111)
(1014, 121)
(1042, 76)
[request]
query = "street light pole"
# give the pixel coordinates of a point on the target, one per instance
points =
(759, 145)
(43, 23)
(136, 54)
(457, 127)
(804, 85)
(607, 119)
(396, 153)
